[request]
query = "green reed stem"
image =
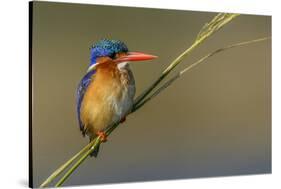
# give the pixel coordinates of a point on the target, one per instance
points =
(207, 30)
(96, 142)
(201, 60)
(57, 172)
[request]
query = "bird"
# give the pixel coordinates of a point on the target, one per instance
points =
(105, 94)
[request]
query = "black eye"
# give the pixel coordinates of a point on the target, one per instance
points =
(113, 56)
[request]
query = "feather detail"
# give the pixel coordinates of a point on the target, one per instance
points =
(82, 87)
(108, 97)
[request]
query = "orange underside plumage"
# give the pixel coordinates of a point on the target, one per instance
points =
(104, 98)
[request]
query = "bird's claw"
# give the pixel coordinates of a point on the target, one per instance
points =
(102, 135)
(123, 120)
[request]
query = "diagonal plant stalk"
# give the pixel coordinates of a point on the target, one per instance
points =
(57, 172)
(96, 142)
(207, 30)
(201, 60)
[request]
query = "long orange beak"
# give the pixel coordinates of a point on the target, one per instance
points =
(135, 56)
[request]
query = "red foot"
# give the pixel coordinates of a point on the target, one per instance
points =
(123, 120)
(102, 135)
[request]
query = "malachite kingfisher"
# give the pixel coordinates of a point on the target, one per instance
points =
(105, 94)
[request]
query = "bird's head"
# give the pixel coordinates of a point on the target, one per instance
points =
(114, 52)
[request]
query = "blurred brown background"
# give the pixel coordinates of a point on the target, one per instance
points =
(214, 121)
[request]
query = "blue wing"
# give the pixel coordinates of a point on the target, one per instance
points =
(82, 87)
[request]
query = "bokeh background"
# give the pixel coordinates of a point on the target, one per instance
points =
(214, 121)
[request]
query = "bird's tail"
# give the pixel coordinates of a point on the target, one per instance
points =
(96, 151)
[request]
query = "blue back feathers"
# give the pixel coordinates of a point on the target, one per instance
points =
(82, 87)
(102, 48)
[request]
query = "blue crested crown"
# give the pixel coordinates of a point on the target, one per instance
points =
(106, 47)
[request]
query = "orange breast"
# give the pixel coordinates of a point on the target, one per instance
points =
(98, 106)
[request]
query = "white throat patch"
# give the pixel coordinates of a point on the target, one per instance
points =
(123, 65)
